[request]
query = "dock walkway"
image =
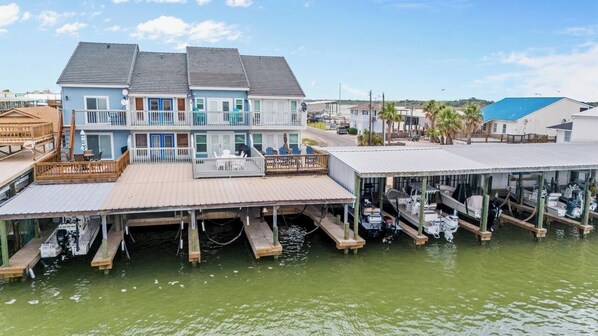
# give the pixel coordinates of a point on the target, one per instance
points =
(538, 233)
(114, 240)
(411, 232)
(23, 260)
(260, 235)
(335, 231)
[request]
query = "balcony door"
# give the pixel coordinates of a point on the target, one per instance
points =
(218, 110)
(219, 141)
(162, 146)
(160, 111)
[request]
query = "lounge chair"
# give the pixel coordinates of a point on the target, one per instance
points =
(98, 157)
(269, 151)
(296, 150)
(310, 159)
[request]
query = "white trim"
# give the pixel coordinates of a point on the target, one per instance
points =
(298, 98)
(218, 88)
(95, 86)
(103, 133)
(96, 97)
(151, 95)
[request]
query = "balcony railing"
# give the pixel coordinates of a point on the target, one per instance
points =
(160, 155)
(80, 171)
(106, 118)
(278, 119)
(19, 133)
(253, 165)
(316, 163)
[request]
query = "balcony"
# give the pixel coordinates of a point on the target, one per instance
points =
(253, 165)
(188, 119)
(316, 163)
(160, 155)
(276, 120)
(19, 133)
(80, 171)
(100, 118)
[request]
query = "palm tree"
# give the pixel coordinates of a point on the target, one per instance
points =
(431, 110)
(449, 123)
(364, 137)
(390, 116)
(472, 118)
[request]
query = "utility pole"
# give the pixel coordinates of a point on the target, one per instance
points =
(383, 134)
(370, 117)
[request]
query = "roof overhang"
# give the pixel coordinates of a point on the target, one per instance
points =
(107, 86)
(219, 88)
(250, 96)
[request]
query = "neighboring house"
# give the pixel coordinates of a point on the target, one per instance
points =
(585, 126)
(173, 107)
(563, 131)
(38, 125)
(360, 117)
(10, 100)
(529, 115)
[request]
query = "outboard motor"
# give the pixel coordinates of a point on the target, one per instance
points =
(494, 213)
(62, 238)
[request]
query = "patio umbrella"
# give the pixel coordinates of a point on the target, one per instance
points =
(286, 141)
(83, 141)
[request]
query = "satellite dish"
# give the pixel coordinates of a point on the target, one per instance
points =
(123, 102)
(125, 92)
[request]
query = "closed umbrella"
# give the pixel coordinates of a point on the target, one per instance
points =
(83, 141)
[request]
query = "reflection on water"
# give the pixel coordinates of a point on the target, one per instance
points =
(510, 286)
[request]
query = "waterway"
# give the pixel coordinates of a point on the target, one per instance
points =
(511, 286)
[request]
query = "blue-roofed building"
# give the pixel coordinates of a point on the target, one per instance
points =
(527, 115)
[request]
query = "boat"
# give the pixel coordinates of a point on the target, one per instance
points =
(73, 237)
(573, 198)
(467, 205)
(374, 223)
(407, 205)
(552, 204)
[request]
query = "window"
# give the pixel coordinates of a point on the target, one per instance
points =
(239, 140)
(567, 136)
(239, 105)
(293, 106)
(199, 104)
(141, 140)
(257, 141)
(294, 140)
(201, 143)
(494, 128)
(166, 104)
(504, 128)
(100, 143)
(96, 103)
(257, 105)
(182, 140)
(365, 112)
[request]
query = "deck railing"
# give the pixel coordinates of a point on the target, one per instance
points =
(160, 118)
(297, 163)
(19, 133)
(253, 165)
(160, 155)
(102, 118)
(278, 119)
(80, 171)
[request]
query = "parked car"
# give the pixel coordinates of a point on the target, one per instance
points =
(342, 130)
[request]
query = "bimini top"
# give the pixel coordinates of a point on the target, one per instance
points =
(516, 108)
(463, 159)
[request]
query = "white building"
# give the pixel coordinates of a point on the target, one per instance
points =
(529, 115)
(360, 117)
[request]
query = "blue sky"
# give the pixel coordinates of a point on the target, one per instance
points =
(415, 49)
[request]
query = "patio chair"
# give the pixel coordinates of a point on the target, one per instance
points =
(310, 159)
(79, 157)
(269, 151)
(282, 151)
(238, 164)
(226, 152)
(295, 150)
(98, 157)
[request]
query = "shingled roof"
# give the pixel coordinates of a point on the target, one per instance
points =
(156, 72)
(271, 76)
(100, 64)
(215, 68)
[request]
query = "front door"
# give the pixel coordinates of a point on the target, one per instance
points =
(160, 111)
(221, 141)
(162, 146)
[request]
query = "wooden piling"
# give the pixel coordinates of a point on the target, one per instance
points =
(540, 202)
(193, 237)
(485, 204)
(356, 207)
(104, 238)
(423, 199)
(4, 243)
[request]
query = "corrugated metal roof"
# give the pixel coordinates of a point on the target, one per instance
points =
(516, 108)
(463, 159)
(215, 67)
(160, 73)
(147, 187)
(17, 165)
(100, 64)
(271, 76)
(59, 199)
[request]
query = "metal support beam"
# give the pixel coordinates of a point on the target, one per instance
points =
(422, 206)
(356, 207)
(587, 196)
(540, 202)
(485, 203)
(104, 238)
(275, 224)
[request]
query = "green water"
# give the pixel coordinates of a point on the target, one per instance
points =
(511, 286)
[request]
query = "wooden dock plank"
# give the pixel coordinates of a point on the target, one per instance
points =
(583, 229)
(138, 222)
(412, 232)
(25, 258)
(483, 235)
(192, 240)
(114, 240)
(538, 233)
(333, 230)
(260, 236)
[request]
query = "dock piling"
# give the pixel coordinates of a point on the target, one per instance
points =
(104, 238)
(4, 243)
(485, 203)
(423, 199)
(540, 203)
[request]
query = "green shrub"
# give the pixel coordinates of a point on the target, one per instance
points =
(352, 131)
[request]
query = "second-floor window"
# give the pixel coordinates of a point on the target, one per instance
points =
(199, 104)
(96, 103)
(504, 128)
(239, 104)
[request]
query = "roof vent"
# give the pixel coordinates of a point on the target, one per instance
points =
(107, 46)
(161, 56)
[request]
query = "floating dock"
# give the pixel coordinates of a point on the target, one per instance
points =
(538, 233)
(481, 235)
(334, 230)
(114, 240)
(23, 260)
(260, 235)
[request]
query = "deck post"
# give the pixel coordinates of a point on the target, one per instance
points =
(520, 189)
(485, 203)
(540, 202)
(381, 189)
(4, 242)
(194, 246)
(104, 238)
(38, 231)
(423, 199)
(587, 195)
(275, 225)
(346, 220)
(356, 207)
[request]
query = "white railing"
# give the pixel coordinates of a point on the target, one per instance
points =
(162, 154)
(229, 167)
(221, 118)
(104, 118)
(278, 119)
(160, 118)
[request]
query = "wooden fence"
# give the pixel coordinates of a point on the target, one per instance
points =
(19, 133)
(80, 171)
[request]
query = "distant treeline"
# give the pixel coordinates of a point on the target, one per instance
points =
(420, 103)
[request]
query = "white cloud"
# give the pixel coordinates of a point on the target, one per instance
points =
(354, 91)
(580, 31)
(203, 2)
(9, 14)
(48, 18)
(115, 28)
(239, 3)
(313, 83)
(26, 16)
(71, 28)
(119, 1)
(174, 30)
(168, 1)
(308, 4)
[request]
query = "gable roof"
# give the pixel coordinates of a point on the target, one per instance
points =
(590, 113)
(564, 126)
(31, 115)
(271, 76)
(215, 68)
(156, 72)
(100, 64)
(366, 106)
(516, 108)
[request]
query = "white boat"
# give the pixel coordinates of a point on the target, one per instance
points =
(472, 205)
(408, 206)
(552, 204)
(73, 236)
(573, 198)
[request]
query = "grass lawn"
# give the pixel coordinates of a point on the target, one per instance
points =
(309, 142)
(320, 125)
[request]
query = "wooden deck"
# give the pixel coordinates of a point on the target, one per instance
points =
(538, 233)
(334, 230)
(593, 214)
(24, 259)
(80, 171)
(114, 240)
(260, 235)
(482, 235)
(412, 232)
